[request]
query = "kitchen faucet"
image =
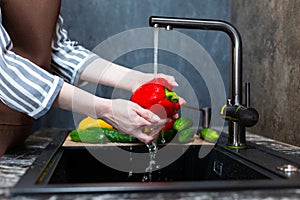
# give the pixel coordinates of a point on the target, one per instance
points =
(239, 116)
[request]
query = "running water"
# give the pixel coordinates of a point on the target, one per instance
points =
(152, 162)
(130, 173)
(156, 34)
(153, 146)
(155, 44)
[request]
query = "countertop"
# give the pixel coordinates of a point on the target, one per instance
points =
(13, 165)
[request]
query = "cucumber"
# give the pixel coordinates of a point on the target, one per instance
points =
(116, 136)
(209, 135)
(101, 135)
(186, 135)
(182, 123)
(88, 136)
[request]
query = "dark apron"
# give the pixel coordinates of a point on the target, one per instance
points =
(31, 26)
(14, 127)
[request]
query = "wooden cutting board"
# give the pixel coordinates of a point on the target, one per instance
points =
(69, 143)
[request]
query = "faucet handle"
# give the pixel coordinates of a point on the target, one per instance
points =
(247, 94)
(245, 116)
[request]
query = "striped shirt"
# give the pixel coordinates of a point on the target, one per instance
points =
(28, 88)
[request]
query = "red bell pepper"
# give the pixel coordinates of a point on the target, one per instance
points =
(157, 96)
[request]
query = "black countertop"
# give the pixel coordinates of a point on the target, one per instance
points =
(13, 166)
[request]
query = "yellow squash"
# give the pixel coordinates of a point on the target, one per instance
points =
(91, 122)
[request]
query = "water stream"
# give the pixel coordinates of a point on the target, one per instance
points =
(155, 40)
(153, 145)
(152, 162)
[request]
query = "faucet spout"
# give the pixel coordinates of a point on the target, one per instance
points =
(217, 25)
(236, 130)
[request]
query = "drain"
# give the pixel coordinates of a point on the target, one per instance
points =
(218, 168)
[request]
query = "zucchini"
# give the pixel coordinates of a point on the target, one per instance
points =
(209, 135)
(186, 135)
(182, 123)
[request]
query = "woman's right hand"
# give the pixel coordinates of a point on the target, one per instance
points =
(130, 118)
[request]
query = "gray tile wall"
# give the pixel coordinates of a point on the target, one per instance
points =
(271, 34)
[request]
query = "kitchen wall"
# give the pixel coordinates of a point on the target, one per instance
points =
(271, 42)
(271, 50)
(91, 22)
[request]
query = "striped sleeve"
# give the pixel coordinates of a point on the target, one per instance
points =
(25, 86)
(69, 58)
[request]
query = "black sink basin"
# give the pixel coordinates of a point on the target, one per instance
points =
(79, 166)
(76, 170)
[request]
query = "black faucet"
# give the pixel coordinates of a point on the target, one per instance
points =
(239, 116)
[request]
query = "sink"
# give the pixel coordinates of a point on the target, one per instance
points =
(79, 166)
(63, 169)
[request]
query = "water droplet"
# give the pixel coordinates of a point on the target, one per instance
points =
(130, 173)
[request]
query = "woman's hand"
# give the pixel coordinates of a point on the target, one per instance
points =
(104, 72)
(130, 118)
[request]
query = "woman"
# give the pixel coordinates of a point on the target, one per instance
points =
(33, 44)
